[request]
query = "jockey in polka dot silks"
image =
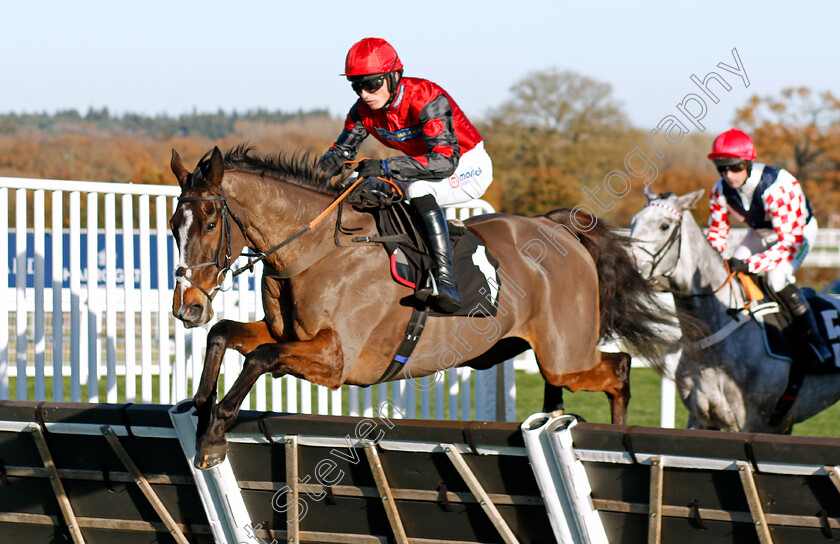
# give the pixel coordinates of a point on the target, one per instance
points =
(782, 227)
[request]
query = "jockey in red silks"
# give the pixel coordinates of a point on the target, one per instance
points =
(782, 227)
(443, 161)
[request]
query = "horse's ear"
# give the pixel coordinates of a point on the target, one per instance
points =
(650, 194)
(689, 200)
(178, 169)
(216, 170)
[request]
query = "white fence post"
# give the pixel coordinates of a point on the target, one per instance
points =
(128, 298)
(144, 221)
(38, 331)
(110, 298)
(92, 304)
(161, 218)
(57, 312)
(75, 296)
(20, 288)
(4, 308)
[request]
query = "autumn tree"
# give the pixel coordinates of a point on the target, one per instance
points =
(137, 149)
(558, 131)
(800, 130)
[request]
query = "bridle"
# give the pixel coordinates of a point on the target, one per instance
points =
(223, 254)
(659, 255)
(224, 259)
(676, 236)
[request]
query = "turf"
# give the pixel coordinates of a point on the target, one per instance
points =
(644, 405)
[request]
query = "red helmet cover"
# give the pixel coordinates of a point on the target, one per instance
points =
(733, 143)
(371, 56)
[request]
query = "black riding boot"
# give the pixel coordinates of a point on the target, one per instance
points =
(805, 325)
(437, 236)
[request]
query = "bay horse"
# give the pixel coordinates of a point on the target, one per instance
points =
(733, 384)
(332, 314)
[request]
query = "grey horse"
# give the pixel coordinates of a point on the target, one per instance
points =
(727, 380)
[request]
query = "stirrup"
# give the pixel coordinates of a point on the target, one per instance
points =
(430, 295)
(448, 299)
(448, 304)
(429, 291)
(820, 356)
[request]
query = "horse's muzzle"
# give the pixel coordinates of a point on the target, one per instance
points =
(193, 315)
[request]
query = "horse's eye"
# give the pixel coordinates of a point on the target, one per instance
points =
(664, 226)
(210, 227)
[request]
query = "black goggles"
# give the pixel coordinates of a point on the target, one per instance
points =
(368, 85)
(731, 167)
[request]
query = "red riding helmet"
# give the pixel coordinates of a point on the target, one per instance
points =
(733, 144)
(371, 56)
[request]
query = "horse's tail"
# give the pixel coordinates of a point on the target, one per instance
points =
(629, 309)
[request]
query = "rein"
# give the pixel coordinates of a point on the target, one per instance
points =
(295, 266)
(224, 263)
(656, 258)
(183, 271)
(739, 318)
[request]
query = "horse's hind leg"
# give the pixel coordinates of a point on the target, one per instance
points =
(552, 399)
(619, 393)
(612, 376)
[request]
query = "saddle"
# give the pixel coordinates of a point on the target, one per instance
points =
(410, 263)
(776, 320)
(408, 259)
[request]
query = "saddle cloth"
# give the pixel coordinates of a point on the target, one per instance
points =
(775, 320)
(474, 267)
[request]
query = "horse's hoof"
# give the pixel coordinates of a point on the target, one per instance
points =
(205, 460)
(184, 406)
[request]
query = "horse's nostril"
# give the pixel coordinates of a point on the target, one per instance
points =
(193, 312)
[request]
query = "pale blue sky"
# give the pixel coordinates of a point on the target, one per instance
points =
(154, 57)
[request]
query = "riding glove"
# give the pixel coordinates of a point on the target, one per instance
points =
(369, 168)
(377, 184)
(737, 265)
(330, 164)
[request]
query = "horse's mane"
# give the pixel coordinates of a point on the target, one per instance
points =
(297, 168)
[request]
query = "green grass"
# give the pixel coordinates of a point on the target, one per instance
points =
(594, 407)
(644, 405)
(48, 381)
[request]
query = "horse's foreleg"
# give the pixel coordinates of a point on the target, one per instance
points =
(225, 334)
(611, 375)
(243, 337)
(319, 361)
(211, 445)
